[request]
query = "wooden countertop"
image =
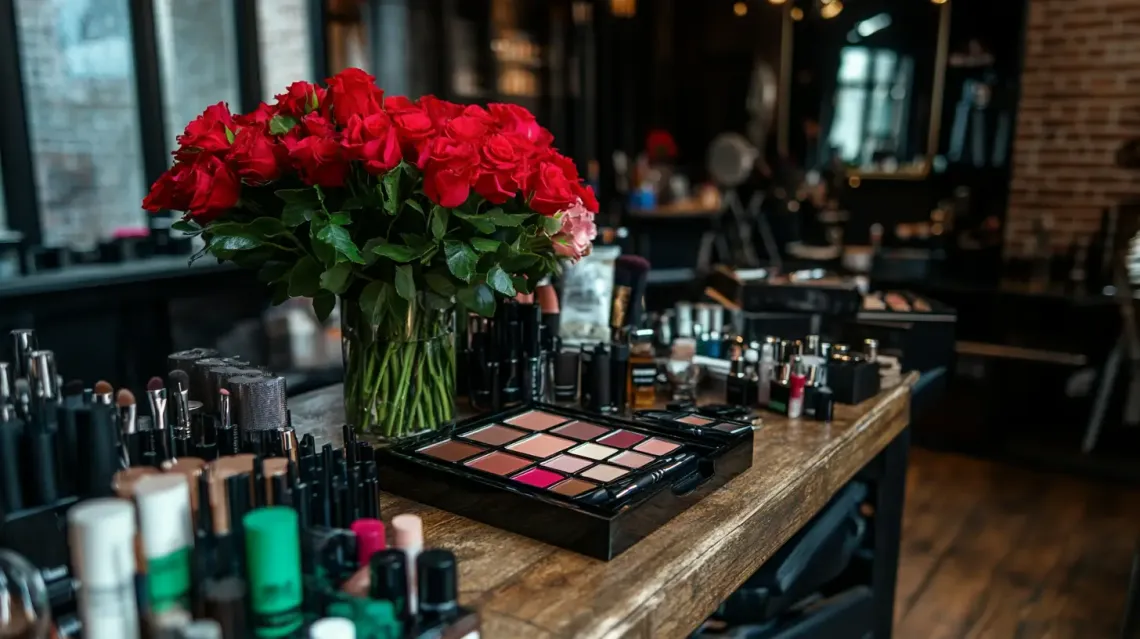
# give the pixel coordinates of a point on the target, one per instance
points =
(669, 582)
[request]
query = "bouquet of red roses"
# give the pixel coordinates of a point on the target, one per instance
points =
(398, 206)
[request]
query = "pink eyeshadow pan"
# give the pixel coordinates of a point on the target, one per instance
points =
(538, 477)
(621, 439)
(632, 460)
(536, 420)
(567, 463)
(581, 430)
(604, 473)
(696, 420)
(498, 463)
(541, 445)
(657, 446)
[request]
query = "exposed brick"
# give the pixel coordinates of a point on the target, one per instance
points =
(1080, 101)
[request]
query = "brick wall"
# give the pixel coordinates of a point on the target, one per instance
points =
(1080, 100)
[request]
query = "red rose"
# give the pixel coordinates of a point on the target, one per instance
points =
(440, 111)
(171, 191)
(353, 92)
(498, 166)
(259, 118)
(553, 191)
(373, 140)
(586, 194)
(449, 171)
(300, 98)
(394, 104)
(515, 120)
(320, 160)
(207, 132)
(215, 189)
(416, 130)
(315, 124)
(466, 128)
(256, 156)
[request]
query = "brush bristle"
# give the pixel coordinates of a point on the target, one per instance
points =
(179, 379)
(103, 387)
(154, 384)
(125, 397)
(634, 263)
(223, 391)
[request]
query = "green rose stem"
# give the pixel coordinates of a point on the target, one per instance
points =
(399, 376)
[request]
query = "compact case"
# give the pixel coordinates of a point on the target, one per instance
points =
(591, 483)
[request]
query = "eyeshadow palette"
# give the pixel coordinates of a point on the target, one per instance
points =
(595, 484)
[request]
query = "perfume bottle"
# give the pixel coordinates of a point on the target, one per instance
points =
(642, 370)
(766, 370)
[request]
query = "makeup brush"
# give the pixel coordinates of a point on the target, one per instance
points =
(163, 439)
(41, 375)
(128, 427)
(23, 398)
(23, 343)
(630, 274)
(103, 393)
(547, 299)
(5, 382)
(178, 387)
(227, 435)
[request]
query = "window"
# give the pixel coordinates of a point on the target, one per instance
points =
(870, 104)
(79, 77)
(197, 51)
(285, 40)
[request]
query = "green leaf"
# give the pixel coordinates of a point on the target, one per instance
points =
(339, 239)
(519, 262)
(390, 184)
(340, 219)
(426, 258)
(352, 204)
(396, 252)
(335, 280)
(412, 204)
(501, 218)
(405, 282)
(273, 271)
(436, 301)
(480, 222)
(551, 225)
(440, 283)
(461, 259)
(479, 298)
(189, 227)
(279, 292)
(498, 279)
(439, 219)
(312, 103)
(305, 280)
(323, 250)
(375, 299)
(522, 284)
(485, 244)
(232, 243)
(267, 227)
(323, 306)
(229, 135)
(281, 124)
(300, 206)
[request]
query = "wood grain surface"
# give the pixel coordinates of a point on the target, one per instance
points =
(668, 583)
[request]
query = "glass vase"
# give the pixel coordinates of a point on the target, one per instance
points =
(399, 374)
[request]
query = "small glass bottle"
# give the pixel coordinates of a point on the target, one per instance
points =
(642, 381)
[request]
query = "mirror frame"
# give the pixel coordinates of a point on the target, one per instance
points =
(941, 53)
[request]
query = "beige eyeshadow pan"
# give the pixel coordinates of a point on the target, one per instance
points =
(657, 446)
(604, 473)
(594, 451)
(536, 420)
(631, 459)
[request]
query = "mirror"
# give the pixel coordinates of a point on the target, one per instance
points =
(861, 85)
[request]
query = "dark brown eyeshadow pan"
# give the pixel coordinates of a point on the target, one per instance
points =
(494, 435)
(583, 431)
(573, 487)
(451, 450)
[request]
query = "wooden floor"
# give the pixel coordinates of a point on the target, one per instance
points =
(1002, 552)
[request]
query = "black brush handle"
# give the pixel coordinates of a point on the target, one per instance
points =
(44, 488)
(11, 491)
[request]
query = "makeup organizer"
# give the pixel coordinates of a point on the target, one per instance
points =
(187, 521)
(595, 484)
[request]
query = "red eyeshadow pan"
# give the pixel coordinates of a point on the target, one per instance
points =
(621, 439)
(538, 477)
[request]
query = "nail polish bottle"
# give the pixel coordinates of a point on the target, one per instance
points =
(796, 383)
(642, 371)
(736, 385)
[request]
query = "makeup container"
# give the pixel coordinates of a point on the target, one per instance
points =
(438, 578)
(736, 384)
(272, 547)
(410, 540)
(592, 483)
(167, 541)
(852, 378)
(596, 378)
(642, 381)
(101, 534)
(566, 369)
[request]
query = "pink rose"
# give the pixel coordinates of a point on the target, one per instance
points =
(577, 234)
